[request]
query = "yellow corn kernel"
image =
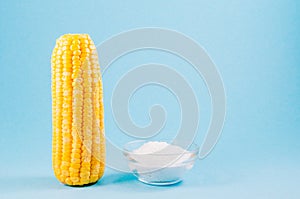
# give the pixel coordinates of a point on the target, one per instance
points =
(78, 145)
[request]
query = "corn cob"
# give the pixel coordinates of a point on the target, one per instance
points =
(78, 145)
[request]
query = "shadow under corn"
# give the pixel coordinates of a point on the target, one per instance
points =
(128, 182)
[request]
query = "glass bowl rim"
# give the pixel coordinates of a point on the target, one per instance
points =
(194, 150)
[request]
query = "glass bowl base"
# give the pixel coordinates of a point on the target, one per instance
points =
(160, 183)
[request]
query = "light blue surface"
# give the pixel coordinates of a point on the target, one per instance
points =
(255, 45)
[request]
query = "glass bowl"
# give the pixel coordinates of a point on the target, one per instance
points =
(164, 167)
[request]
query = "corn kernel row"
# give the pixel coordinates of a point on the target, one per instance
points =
(78, 148)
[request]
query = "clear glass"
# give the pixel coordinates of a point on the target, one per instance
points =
(164, 168)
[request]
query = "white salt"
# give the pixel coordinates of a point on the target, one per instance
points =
(160, 155)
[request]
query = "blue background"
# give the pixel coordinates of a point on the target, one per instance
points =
(255, 45)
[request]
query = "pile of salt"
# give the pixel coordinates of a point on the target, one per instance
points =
(160, 155)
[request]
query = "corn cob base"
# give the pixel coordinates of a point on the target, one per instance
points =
(84, 185)
(78, 148)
